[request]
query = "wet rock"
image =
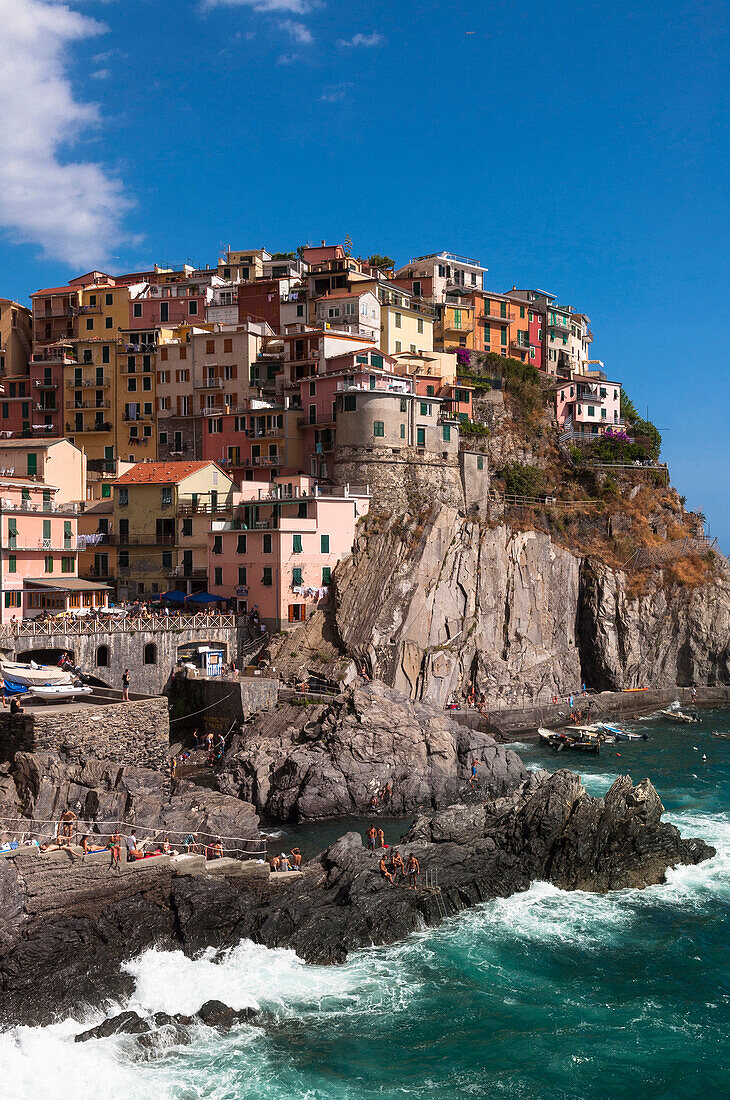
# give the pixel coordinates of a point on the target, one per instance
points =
(126, 1023)
(220, 1015)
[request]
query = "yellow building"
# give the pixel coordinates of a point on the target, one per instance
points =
(162, 515)
(405, 326)
(455, 325)
(243, 267)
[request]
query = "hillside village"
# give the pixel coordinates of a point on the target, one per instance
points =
(211, 438)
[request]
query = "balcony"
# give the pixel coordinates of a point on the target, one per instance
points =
(499, 318)
(45, 384)
(59, 544)
(559, 323)
(451, 326)
(45, 507)
(86, 405)
(85, 309)
(519, 346)
(209, 384)
(86, 428)
(262, 460)
(152, 539)
(88, 383)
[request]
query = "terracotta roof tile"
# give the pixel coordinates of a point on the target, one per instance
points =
(161, 473)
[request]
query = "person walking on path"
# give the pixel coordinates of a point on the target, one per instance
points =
(125, 686)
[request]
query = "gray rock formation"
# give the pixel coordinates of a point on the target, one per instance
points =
(65, 927)
(449, 603)
(299, 764)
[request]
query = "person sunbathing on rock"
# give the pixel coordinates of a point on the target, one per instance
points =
(87, 846)
(382, 867)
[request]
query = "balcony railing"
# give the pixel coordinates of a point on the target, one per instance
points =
(44, 384)
(86, 405)
(209, 384)
(20, 542)
(42, 507)
(87, 383)
(499, 318)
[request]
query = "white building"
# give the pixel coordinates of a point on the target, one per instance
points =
(447, 271)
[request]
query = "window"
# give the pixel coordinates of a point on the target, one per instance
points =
(532, 353)
(241, 545)
(446, 432)
(12, 564)
(49, 564)
(108, 322)
(105, 353)
(398, 347)
(67, 565)
(430, 391)
(89, 323)
(217, 544)
(136, 310)
(164, 311)
(300, 311)
(102, 656)
(192, 308)
(166, 495)
(266, 544)
(266, 579)
(32, 465)
(296, 544)
(504, 336)
(210, 347)
(421, 437)
(150, 654)
(132, 385)
(167, 559)
(123, 495)
(186, 528)
(399, 320)
(425, 408)
(378, 429)
(296, 575)
(480, 462)
(591, 410)
(218, 575)
(242, 575)
(215, 426)
(402, 431)
(420, 325)
(12, 599)
(324, 544)
(67, 534)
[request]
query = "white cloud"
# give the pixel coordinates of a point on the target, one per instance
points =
(101, 74)
(368, 40)
(298, 7)
(333, 93)
(73, 209)
(298, 31)
(287, 58)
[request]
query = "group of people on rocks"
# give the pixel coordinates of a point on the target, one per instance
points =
(284, 862)
(382, 797)
(391, 863)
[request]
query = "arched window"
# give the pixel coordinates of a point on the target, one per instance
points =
(102, 656)
(150, 654)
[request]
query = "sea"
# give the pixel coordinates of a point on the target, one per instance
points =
(546, 994)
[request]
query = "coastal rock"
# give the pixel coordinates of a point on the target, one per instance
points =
(220, 1015)
(77, 922)
(444, 604)
(125, 1023)
(303, 764)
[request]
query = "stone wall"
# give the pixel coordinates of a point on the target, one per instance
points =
(214, 706)
(136, 733)
(400, 478)
(127, 650)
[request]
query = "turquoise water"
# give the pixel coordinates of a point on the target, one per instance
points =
(545, 995)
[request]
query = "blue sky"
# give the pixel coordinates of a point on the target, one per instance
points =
(581, 148)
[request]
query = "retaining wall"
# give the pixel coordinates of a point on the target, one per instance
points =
(214, 706)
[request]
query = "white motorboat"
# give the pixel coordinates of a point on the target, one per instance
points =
(58, 693)
(679, 716)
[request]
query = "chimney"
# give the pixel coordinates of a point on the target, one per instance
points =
(322, 244)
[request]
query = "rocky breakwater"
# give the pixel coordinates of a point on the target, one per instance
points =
(547, 828)
(299, 764)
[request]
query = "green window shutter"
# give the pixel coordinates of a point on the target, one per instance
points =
(402, 431)
(106, 491)
(12, 564)
(502, 309)
(324, 544)
(446, 431)
(421, 437)
(403, 405)
(12, 533)
(46, 529)
(296, 544)
(67, 534)
(457, 318)
(49, 565)
(504, 336)
(267, 545)
(296, 576)
(266, 580)
(241, 545)
(326, 574)
(32, 464)
(378, 429)
(350, 402)
(480, 462)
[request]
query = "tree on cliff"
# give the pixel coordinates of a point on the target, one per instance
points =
(640, 428)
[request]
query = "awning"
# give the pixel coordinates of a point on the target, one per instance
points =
(205, 597)
(66, 584)
(173, 596)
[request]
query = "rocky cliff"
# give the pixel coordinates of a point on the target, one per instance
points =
(444, 603)
(306, 763)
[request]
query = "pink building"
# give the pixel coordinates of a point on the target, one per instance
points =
(39, 554)
(279, 551)
(588, 404)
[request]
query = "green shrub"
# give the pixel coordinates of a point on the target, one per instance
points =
(522, 481)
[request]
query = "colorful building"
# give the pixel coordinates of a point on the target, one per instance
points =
(162, 515)
(588, 404)
(443, 272)
(278, 551)
(39, 554)
(55, 463)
